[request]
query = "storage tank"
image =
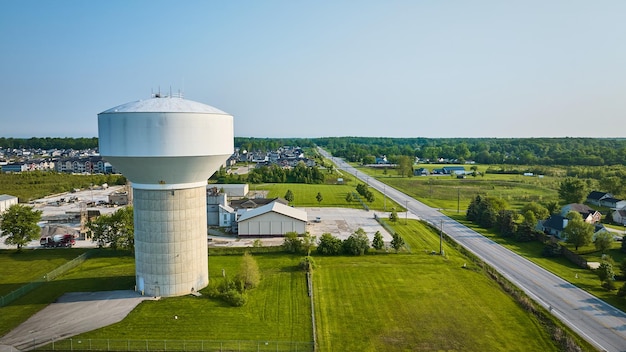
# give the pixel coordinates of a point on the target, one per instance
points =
(168, 147)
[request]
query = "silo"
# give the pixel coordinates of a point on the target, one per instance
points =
(168, 147)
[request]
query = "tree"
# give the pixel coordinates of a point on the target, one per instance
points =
(19, 224)
(319, 197)
(506, 222)
(357, 243)
(405, 166)
(397, 242)
(329, 245)
(116, 230)
(378, 242)
(538, 210)
(249, 273)
(605, 271)
(572, 190)
(393, 217)
(349, 197)
(292, 243)
(553, 207)
(289, 196)
(577, 232)
(308, 242)
(603, 241)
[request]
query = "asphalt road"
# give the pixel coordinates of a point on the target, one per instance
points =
(603, 325)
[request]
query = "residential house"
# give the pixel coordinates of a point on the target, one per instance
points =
(613, 203)
(596, 197)
(556, 224)
(421, 172)
(589, 214)
(457, 170)
(619, 216)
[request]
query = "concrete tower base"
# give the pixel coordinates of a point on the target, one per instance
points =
(171, 255)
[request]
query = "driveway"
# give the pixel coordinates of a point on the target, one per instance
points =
(73, 313)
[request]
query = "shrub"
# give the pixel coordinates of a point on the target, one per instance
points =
(622, 291)
(609, 285)
(551, 250)
(307, 263)
(329, 245)
(235, 298)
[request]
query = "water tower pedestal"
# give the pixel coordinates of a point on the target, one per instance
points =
(171, 241)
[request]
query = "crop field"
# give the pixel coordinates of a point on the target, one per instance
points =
(417, 302)
(334, 195)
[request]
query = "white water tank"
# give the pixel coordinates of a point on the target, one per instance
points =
(168, 147)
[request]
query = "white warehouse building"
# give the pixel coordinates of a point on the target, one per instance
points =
(6, 201)
(274, 219)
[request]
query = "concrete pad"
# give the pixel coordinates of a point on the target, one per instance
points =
(73, 313)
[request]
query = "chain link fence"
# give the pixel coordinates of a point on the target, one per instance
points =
(12, 296)
(177, 345)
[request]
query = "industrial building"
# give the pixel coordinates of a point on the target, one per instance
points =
(6, 201)
(271, 220)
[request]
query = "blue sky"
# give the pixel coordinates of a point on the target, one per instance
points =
(321, 68)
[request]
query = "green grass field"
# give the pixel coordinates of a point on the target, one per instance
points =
(334, 195)
(450, 193)
(392, 302)
(418, 302)
(31, 266)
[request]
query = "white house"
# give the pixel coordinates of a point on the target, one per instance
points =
(619, 216)
(272, 220)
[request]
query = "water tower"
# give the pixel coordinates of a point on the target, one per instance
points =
(168, 147)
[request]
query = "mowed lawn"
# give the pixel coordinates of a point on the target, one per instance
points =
(417, 302)
(334, 195)
(20, 268)
(277, 310)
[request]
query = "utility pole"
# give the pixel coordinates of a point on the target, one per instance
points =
(441, 239)
(406, 214)
(385, 197)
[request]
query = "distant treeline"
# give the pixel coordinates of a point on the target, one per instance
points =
(516, 151)
(49, 143)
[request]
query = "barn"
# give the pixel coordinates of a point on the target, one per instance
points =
(272, 220)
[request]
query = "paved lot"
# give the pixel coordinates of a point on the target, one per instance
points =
(53, 206)
(72, 314)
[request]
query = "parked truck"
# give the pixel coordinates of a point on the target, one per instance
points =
(57, 241)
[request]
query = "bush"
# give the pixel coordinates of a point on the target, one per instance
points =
(551, 250)
(609, 285)
(329, 245)
(292, 243)
(307, 263)
(235, 298)
(622, 291)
